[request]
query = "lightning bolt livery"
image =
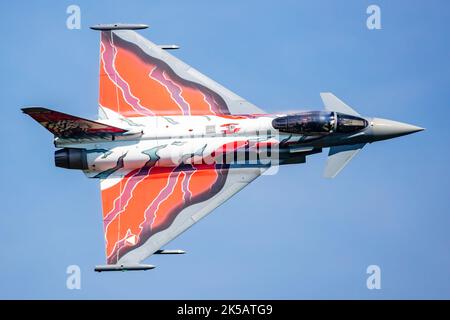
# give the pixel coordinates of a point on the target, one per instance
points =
(170, 145)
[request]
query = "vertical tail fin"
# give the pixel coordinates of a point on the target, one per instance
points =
(64, 125)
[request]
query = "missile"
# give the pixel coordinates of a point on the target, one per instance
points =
(121, 267)
(118, 26)
(169, 46)
(170, 252)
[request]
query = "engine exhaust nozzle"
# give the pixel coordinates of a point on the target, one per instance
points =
(71, 158)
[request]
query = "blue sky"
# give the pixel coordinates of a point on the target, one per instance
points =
(293, 235)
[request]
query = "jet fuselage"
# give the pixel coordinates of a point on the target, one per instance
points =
(243, 140)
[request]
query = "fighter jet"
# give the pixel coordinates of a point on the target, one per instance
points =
(170, 145)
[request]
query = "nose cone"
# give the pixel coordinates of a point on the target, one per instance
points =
(387, 129)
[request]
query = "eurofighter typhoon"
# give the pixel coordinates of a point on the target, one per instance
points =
(170, 145)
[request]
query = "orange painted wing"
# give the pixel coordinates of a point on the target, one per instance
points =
(137, 78)
(149, 207)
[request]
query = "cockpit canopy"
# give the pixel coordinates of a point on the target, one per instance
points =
(347, 123)
(319, 123)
